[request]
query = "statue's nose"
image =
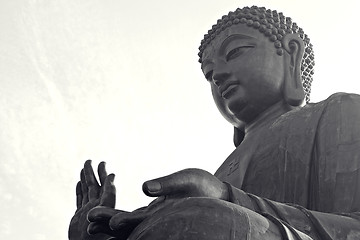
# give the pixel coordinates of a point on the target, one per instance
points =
(220, 77)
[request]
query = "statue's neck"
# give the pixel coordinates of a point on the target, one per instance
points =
(268, 116)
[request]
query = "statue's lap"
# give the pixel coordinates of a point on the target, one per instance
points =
(205, 218)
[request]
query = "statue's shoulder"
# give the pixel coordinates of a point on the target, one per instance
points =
(337, 109)
(344, 101)
(341, 98)
(313, 112)
(340, 112)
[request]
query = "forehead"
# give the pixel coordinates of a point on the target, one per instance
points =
(237, 29)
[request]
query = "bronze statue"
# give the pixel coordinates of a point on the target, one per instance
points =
(295, 172)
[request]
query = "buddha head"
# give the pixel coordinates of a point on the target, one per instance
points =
(255, 58)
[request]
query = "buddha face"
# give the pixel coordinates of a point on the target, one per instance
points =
(245, 73)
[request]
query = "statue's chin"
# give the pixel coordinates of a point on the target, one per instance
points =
(239, 109)
(195, 218)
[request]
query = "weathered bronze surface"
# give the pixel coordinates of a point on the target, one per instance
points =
(295, 173)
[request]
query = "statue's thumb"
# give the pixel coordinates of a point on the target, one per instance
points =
(175, 183)
(152, 188)
(161, 186)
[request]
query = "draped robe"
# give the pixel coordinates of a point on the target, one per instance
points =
(308, 158)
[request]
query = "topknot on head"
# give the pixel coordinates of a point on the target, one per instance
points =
(274, 25)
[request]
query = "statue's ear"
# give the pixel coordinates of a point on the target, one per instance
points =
(293, 90)
(239, 134)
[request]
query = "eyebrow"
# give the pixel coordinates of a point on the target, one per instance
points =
(232, 38)
(224, 45)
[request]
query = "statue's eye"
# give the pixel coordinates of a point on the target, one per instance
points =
(208, 76)
(237, 52)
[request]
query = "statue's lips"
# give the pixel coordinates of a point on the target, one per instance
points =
(228, 89)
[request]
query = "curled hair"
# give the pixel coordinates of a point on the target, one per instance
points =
(274, 26)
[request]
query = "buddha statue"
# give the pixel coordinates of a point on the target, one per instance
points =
(295, 172)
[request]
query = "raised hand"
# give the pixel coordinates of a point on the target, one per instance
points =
(90, 194)
(168, 189)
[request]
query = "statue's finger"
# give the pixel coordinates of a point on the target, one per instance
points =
(95, 228)
(89, 174)
(102, 214)
(153, 188)
(176, 183)
(98, 228)
(183, 183)
(102, 172)
(84, 188)
(108, 197)
(78, 195)
(93, 185)
(127, 219)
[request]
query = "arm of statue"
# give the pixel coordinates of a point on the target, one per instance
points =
(188, 184)
(294, 222)
(318, 225)
(91, 194)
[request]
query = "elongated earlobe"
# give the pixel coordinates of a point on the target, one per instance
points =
(293, 90)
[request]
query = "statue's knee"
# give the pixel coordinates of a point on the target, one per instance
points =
(195, 218)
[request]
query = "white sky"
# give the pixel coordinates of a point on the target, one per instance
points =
(119, 81)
